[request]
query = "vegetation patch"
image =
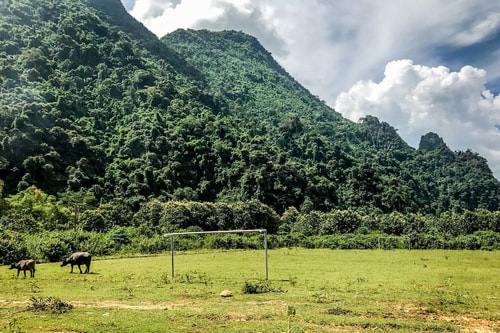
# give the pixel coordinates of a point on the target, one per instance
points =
(337, 311)
(49, 304)
(260, 287)
(190, 277)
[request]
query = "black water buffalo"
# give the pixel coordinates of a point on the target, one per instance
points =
(24, 265)
(78, 258)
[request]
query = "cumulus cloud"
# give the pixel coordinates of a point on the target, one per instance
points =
(417, 99)
(250, 19)
(164, 16)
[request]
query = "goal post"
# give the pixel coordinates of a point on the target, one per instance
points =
(173, 234)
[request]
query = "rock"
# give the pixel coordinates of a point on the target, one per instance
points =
(226, 293)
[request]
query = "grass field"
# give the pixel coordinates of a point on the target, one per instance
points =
(307, 291)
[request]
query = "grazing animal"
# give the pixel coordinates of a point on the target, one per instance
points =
(24, 265)
(78, 258)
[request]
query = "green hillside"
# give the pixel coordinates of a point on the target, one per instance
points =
(350, 165)
(93, 103)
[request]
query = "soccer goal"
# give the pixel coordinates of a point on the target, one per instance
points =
(173, 234)
(394, 242)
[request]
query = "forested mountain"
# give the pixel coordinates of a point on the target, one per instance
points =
(90, 101)
(365, 164)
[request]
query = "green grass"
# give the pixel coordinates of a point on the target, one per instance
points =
(330, 291)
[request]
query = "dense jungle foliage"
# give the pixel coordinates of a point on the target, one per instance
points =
(36, 225)
(108, 132)
(315, 158)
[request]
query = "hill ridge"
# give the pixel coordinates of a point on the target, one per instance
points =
(92, 102)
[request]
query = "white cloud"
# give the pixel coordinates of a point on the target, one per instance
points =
(417, 99)
(479, 30)
(164, 16)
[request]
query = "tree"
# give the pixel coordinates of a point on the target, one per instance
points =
(39, 209)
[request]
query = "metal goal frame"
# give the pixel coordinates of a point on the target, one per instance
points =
(173, 234)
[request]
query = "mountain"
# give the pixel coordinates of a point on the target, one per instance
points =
(91, 101)
(365, 163)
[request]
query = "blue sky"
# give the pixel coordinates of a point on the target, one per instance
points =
(421, 66)
(483, 54)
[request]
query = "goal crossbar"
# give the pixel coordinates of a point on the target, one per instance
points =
(172, 234)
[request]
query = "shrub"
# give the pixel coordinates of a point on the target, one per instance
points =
(97, 243)
(49, 304)
(260, 288)
(490, 240)
(154, 244)
(53, 249)
(339, 221)
(465, 242)
(92, 220)
(426, 241)
(120, 236)
(12, 249)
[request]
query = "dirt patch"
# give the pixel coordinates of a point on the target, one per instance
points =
(467, 324)
(230, 316)
(4, 302)
(13, 304)
(473, 325)
(141, 306)
(117, 305)
(120, 305)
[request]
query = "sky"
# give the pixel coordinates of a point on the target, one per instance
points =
(421, 66)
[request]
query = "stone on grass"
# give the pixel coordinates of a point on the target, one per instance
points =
(226, 293)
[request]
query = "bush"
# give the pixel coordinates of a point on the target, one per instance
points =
(150, 245)
(53, 249)
(98, 244)
(466, 242)
(260, 288)
(120, 236)
(12, 249)
(92, 220)
(426, 241)
(490, 240)
(225, 242)
(287, 240)
(339, 221)
(49, 304)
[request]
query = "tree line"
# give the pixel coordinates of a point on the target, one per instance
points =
(34, 224)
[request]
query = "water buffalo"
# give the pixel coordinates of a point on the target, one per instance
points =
(24, 265)
(78, 258)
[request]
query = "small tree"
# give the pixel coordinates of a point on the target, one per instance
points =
(33, 204)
